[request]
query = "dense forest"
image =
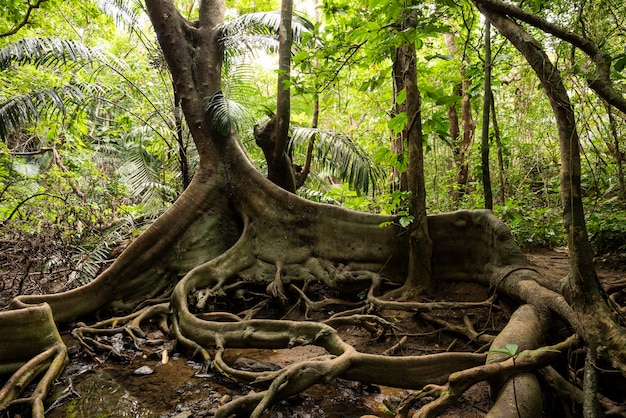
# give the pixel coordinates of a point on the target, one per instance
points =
(209, 169)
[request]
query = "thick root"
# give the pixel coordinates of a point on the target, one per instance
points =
(39, 350)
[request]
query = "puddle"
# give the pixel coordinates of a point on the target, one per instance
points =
(102, 396)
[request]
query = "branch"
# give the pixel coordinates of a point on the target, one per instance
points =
(601, 84)
(24, 21)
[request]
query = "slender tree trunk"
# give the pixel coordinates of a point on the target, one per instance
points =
(283, 99)
(398, 179)
(501, 173)
(419, 278)
(182, 149)
(485, 129)
(273, 136)
(303, 173)
(619, 157)
(463, 145)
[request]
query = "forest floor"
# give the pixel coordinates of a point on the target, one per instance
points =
(145, 383)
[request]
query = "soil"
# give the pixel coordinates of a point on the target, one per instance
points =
(144, 382)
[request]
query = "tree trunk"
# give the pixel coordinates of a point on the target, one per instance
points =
(620, 156)
(419, 279)
(182, 148)
(484, 145)
(463, 145)
(273, 136)
(399, 179)
(501, 171)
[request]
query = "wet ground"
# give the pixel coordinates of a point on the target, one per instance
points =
(150, 384)
(177, 387)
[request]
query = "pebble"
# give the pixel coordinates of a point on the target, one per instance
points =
(143, 371)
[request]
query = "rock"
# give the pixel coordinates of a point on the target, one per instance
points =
(252, 365)
(184, 414)
(143, 371)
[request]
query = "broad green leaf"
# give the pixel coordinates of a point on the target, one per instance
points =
(406, 221)
(398, 122)
(401, 96)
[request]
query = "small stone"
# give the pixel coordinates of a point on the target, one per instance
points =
(224, 399)
(143, 371)
(184, 414)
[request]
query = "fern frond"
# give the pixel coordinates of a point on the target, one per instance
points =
(127, 15)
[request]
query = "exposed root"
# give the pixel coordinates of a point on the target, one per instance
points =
(459, 382)
(51, 363)
(375, 325)
(570, 393)
(467, 329)
(383, 303)
(131, 325)
(241, 272)
(321, 305)
(241, 375)
(40, 351)
(396, 347)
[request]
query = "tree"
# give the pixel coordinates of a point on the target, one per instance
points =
(487, 100)
(419, 276)
(232, 230)
(463, 134)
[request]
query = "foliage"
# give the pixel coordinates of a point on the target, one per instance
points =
(87, 83)
(607, 231)
(533, 226)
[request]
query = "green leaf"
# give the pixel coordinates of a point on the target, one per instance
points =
(406, 221)
(398, 122)
(512, 348)
(620, 62)
(444, 100)
(401, 96)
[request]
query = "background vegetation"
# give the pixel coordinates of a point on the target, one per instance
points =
(93, 146)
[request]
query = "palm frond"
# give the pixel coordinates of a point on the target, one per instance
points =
(50, 52)
(91, 260)
(252, 32)
(141, 170)
(25, 109)
(225, 113)
(316, 196)
(95, 252)
(239, 80)
(338, 153)
(127, 15)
